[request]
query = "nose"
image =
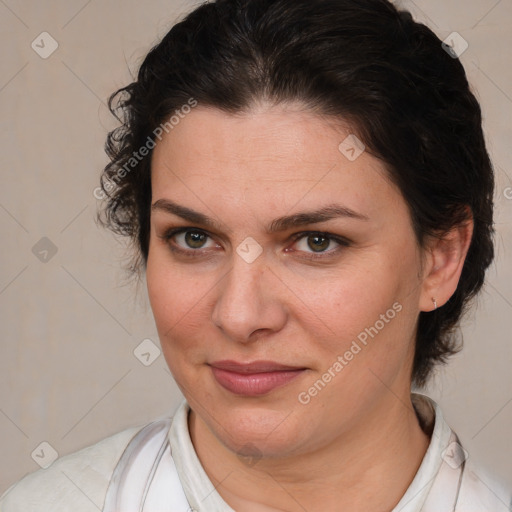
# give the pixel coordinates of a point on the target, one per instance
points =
(249, 303)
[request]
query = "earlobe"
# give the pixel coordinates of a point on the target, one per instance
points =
(445, 262)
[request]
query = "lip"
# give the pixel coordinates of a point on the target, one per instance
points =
(254, 367)
(253, 379)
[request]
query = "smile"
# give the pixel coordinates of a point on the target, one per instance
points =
(254, 379)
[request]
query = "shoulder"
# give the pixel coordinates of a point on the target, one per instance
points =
(481, 490)
(77, 481)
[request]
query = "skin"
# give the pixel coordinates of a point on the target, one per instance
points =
(360, 432)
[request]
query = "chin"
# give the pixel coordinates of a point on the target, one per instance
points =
(255, 429)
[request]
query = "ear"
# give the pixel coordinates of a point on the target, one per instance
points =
(443, 265)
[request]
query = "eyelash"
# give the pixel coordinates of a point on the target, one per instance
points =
(196, 253)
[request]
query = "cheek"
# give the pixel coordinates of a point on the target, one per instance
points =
(368, 317)
(171, 295)
(330, 309)
(349, 299)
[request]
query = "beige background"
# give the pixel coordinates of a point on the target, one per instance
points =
(68, 375)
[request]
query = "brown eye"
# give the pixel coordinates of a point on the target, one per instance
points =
(188, 241)
(318, 242)
(195, 239)
(319, 245)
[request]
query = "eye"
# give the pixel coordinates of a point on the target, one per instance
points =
(187, 241)
(318, 243)
(192, 242)
(193, 239)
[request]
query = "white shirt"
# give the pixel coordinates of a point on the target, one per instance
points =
(156, 469)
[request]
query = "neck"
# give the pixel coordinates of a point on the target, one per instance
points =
(382, 454)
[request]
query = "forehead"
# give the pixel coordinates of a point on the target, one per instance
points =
(279, 154)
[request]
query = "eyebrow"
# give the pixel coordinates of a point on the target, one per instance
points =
(323, 214)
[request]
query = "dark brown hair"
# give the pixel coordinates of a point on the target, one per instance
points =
(361, 61)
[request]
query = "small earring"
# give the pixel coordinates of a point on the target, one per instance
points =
(435, 303)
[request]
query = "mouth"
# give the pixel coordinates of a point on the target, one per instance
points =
(253, 379)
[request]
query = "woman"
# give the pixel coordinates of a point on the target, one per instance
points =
(310, 196)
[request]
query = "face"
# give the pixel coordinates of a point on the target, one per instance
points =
(249, 273)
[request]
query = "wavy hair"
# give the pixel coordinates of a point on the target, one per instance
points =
(360, 61)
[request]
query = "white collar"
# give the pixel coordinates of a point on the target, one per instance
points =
(201, 493)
